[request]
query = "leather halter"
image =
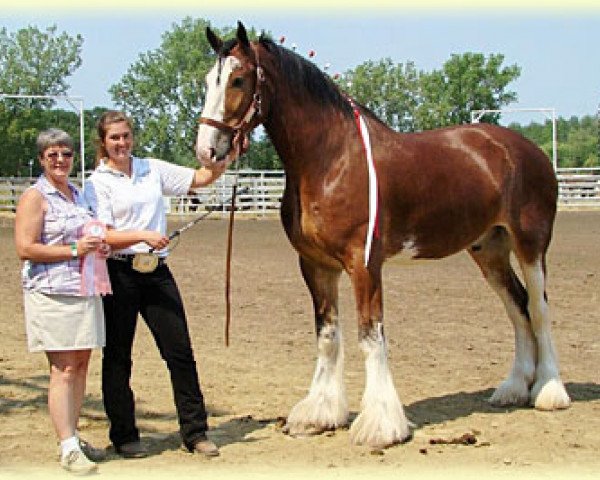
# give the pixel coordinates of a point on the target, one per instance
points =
(255, 108)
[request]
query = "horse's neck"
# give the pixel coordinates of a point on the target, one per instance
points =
(300, 124)
(298, 129)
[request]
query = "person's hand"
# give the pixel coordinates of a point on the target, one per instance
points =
(217, 168)
(104, 250)
(87, 244)
(156, 240)
(220, 166)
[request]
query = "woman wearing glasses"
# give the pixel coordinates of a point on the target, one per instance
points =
(60, 320)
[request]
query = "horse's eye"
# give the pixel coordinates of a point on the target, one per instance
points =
(237, 82)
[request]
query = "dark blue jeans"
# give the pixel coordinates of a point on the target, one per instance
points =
(156, 298)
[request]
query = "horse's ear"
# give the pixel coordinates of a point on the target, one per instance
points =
(242, 36)
(215, 42)
(265, 41)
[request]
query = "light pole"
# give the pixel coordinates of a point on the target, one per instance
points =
(30, 168)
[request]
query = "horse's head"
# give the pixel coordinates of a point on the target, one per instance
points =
(232, 106)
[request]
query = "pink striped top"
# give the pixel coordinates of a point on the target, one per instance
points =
(63, 224)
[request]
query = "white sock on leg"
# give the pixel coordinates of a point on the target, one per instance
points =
(68, 445)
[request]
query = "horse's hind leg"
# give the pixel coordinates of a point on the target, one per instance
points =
(325, 407)
(548, 391)
(534, 376)
(492, 254)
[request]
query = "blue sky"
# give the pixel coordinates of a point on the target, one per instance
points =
(556, 50)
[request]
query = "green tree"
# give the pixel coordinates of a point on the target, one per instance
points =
(467, 82)
(434, 108)
(580, 147)
(91, 118)
(32, 62)
(411, 100)
(389, 90)
(261, 155)
(19, 130)
(163, 91)
(577, 140)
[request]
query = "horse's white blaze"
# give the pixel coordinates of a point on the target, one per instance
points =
(325, 406)
(515, 389)
(548, 391)
(214, 106)
(382, 421)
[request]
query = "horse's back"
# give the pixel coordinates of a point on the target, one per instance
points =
(492, 147)
(458, 182)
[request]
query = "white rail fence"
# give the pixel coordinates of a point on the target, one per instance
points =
(578, 187)
(260, 192)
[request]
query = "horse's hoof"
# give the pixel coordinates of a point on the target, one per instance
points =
(510, 394)
(550, 396)
(303, 431)
(378, 445)
(380, 438)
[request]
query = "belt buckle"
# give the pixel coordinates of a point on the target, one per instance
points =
(145, 262)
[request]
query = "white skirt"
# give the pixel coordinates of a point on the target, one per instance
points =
(63, 322)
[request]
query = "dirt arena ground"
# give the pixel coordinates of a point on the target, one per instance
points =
(450, 344)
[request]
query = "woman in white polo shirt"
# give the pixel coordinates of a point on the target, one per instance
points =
(126, 193)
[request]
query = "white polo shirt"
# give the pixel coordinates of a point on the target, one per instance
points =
(136, 202)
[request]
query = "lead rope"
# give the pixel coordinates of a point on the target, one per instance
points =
(228, 264)
(255, 108)
(177, 234)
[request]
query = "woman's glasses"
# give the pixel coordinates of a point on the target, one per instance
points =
(68, 154)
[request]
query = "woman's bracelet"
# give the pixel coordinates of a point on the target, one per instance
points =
(74, 253)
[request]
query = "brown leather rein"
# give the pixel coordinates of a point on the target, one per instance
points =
(239, 133)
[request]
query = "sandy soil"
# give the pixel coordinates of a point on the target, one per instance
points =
(450, 345)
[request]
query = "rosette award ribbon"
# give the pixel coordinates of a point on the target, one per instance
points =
(94, 274)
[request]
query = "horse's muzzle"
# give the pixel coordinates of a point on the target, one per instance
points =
(214, 148)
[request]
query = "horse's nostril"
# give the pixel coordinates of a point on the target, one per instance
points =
(211, 152)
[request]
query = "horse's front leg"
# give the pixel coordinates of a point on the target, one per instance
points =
(325, 407)
(381, 422)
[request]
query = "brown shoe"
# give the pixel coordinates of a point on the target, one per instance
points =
(206, 448)
(133, 450)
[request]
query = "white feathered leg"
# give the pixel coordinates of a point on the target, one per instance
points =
(515, 389)
(548, 391)
(382, 422)
(325, 407)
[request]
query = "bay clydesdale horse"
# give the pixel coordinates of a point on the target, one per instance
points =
(357, 193)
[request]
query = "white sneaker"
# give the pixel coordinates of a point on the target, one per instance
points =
(76, 462)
